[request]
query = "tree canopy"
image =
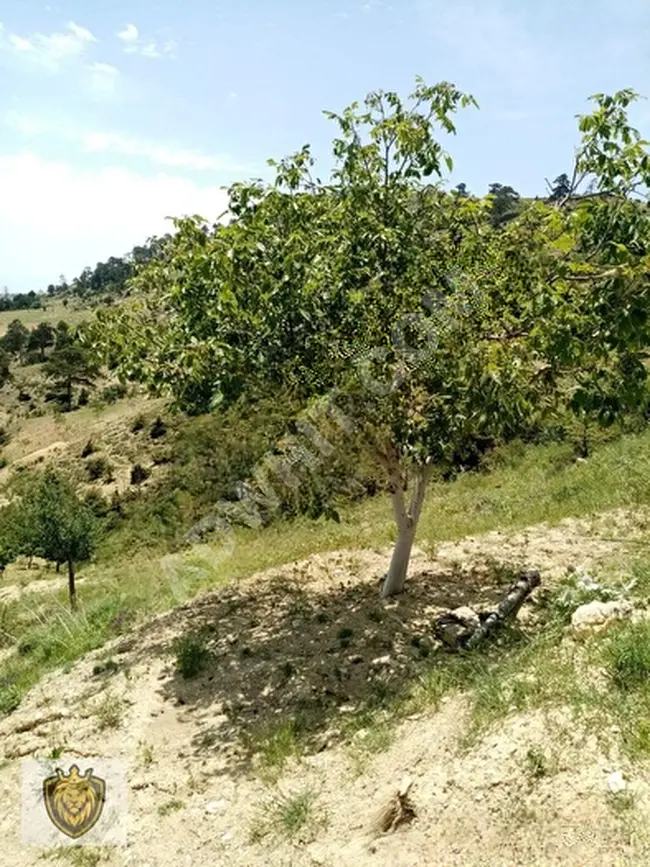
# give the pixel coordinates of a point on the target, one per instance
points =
(437, 319)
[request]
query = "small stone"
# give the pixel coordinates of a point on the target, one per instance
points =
(616, 783)
(355, 659)
(381, 661)
(219, 806)
(596, 615)
(467, 615)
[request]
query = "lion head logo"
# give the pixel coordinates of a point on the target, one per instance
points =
(74, 803)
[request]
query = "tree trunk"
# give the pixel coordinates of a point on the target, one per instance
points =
(58, 566)
(407, 522)
(71, 586)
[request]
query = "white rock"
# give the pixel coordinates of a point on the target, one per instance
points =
(467, 615)
(219, 806)
(596, 615)
(616, 782)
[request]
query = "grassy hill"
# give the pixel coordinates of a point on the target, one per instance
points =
(74, 313)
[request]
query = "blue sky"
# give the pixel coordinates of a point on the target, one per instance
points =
(114, 116)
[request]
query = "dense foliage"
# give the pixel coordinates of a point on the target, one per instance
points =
(439, 321)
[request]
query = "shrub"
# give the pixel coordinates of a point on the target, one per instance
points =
(158, 429)
(84, 397)
(138, 474)
(98, 468)
(114, 392)
(88, 449)
(4, 436)
(138, 424)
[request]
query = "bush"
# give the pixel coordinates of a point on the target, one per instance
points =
(138, 424)
(191, 654)
(138, 474)
(98, 468)
(88, 449)
(84, 397)
(99, 506)
(4, 436)
(158, 429)
(114, 392)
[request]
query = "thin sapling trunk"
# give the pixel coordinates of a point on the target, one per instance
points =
(71, 585)
(407, 522)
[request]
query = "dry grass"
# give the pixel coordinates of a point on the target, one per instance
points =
(74, 314)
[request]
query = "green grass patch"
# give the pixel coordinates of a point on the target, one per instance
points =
(288, 817)
(191, 654)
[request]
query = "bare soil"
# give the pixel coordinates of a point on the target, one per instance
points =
(313, 640)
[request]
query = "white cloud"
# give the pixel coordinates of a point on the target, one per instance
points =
(133, 44)
(165, 155)
(103, 79)
(48, 53)
(78, 217)
(109, 142)
(129, 34)
(81, 32)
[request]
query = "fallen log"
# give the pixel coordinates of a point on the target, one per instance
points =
(457, 630)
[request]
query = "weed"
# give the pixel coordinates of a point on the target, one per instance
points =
(170, 807)
(10, 697)
(537, 764)
(146, 751)
(621, 802)
(627, 656)
(275, 746)
(108, 667)
(191, 654)
(78, 856)
(110, 712)
(345, 636)
(286, 816)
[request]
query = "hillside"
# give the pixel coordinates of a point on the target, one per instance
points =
(369, 584)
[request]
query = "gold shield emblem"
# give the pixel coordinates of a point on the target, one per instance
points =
(74, 803)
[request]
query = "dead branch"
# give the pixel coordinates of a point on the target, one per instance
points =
(459, 631)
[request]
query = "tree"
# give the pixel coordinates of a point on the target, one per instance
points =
(51, 522)
(15, 339)
(561, 188)
(70, 365)
(506, 205)
(384, 294)
(40, 338)
(461, 190)
(5, 367)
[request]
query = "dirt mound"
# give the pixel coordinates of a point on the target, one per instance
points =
(313, 642)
